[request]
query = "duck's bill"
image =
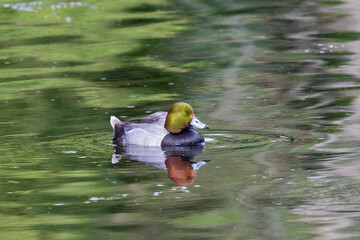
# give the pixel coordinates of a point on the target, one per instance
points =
(196, 123)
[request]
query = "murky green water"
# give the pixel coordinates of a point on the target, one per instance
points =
(277, 81)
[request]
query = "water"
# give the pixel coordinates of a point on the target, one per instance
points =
(277, 82)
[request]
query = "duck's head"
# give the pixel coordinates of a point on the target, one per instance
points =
(180, 116)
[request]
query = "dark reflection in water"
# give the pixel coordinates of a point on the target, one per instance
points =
(136, 22)
(57, 39)
(31, 62)
(177, 160)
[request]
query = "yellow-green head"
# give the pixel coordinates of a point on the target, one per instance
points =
(180, 116)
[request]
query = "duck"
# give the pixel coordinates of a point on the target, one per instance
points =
(173, 128)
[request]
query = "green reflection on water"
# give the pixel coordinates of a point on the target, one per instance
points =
(65, 70)
(330, 3)
(340, 36)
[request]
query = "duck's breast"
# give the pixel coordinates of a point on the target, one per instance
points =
(187, 137)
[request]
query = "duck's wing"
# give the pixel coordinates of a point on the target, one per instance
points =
(147, 131)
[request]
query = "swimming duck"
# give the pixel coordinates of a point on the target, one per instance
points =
(174, 128)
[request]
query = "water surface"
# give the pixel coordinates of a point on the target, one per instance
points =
(277, 82)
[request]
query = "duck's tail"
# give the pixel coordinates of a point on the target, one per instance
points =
(114, 121)
(118, 126)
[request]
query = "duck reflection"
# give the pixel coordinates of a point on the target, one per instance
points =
(177, 160)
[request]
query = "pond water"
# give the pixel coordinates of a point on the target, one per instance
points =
(276, 81)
